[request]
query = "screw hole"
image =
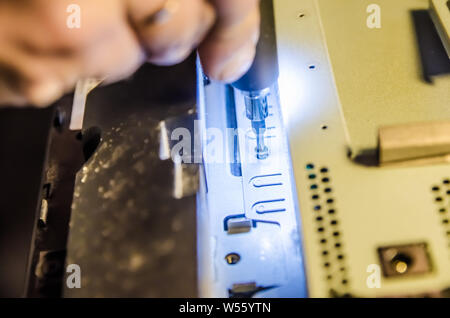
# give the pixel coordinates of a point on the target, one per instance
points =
(232, 258)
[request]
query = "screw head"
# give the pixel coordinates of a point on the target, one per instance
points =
(232, 258)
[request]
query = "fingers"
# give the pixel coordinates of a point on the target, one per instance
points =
(47, 58)
(26, 79)
(8, 94)
(114, 57)
(41, 58)
(229, 50)
(105, 45)
(170, 30)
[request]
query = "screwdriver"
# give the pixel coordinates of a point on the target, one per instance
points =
(256, 83)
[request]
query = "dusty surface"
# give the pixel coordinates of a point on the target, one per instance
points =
(127, 233)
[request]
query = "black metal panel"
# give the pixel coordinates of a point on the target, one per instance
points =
(23, 146)
(434, 58)
(128, 234)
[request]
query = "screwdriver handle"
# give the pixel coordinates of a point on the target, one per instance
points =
(264, 71)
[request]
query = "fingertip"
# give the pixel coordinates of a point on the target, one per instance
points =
(171, 57)
(229, 50)
(185, 37)
(44, 93)
(235, 67)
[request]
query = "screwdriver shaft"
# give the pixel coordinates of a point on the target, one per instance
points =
(257, 111)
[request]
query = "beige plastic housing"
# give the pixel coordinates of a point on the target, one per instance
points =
(341, 79)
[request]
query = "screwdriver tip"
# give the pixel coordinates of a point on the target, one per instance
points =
(263, 153)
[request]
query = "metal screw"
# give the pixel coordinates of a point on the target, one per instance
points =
(232, 258)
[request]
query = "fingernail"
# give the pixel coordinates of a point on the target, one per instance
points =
(43, 94)
(238, 65)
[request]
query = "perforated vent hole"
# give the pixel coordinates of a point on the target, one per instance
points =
(441, 197)
(328, 230)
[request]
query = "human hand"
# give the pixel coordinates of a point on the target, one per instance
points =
(42, 58)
